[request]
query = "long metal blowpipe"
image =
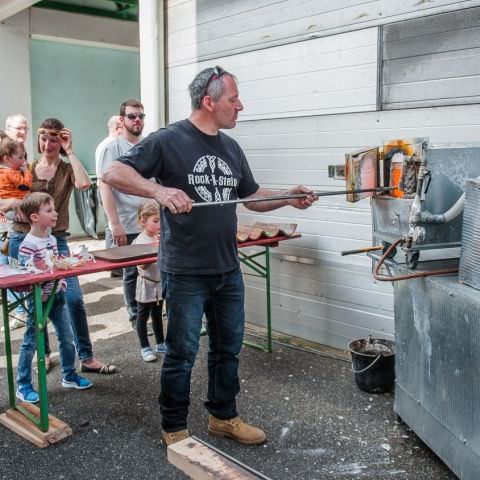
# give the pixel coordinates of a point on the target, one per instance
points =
(293, 195)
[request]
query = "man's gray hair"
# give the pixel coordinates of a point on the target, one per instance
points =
(113, 121)
(16, 116)
(207, 82)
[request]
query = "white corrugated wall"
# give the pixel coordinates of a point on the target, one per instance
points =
(309, 80)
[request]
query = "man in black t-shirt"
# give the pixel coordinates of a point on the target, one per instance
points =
(194, 162)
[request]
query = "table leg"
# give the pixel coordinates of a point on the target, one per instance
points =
(262, 271)
(40, 318)
(8, 349)
(268, 293)
(40, 328)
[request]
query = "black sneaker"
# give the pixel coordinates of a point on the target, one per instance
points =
(118, 273)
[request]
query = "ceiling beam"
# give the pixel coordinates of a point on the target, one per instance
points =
(11, 7)
(67, 7)
(132, 3)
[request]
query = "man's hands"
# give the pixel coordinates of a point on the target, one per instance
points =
(118, 234)
(177, 201)
(302, 203)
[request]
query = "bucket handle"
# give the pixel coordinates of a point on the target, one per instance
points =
(367, 367)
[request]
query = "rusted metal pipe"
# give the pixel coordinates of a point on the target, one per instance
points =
(395, 278)
(362, 250)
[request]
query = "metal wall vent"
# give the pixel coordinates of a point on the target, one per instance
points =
(469, 270)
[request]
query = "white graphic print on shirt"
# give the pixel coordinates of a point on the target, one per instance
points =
(212, 178)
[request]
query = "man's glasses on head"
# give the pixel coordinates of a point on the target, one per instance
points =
(133, 116)
(217, 72)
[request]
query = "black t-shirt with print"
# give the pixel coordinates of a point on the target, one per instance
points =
(207, 168)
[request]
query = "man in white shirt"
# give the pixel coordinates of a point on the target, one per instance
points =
(114, 127)
(120, 208)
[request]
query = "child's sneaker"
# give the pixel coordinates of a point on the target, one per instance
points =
(148, 355)
(161, 348)
(26, 393)
(78, 382)
(16, 321)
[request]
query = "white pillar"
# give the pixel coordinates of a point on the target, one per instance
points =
(12, 7)
(152, 62)
(15, 71)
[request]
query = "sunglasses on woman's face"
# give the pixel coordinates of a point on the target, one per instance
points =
(50, 133)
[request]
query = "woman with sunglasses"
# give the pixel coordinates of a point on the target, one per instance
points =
(52, 174)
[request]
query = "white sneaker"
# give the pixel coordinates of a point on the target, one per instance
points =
(17, 321)
(148, 355)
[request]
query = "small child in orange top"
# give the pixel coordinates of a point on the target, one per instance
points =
(15, 178)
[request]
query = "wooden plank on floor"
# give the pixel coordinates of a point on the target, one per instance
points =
(21, 425)
(202, 463)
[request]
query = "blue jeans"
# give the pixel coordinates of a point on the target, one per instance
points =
(130, 286)
(188, 297)
(108, 237)
(73, 296)
(59, 317)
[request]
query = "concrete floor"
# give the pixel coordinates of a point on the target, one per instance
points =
(319, 424)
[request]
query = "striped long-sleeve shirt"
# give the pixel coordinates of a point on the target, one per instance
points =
(37, 249)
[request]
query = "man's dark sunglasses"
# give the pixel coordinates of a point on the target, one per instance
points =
(133, 116)
(217, 72)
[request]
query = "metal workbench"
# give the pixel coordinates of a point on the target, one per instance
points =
(437, 332)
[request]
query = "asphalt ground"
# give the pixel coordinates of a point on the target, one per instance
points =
(319, 424)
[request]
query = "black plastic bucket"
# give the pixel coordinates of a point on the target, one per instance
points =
(373, 363)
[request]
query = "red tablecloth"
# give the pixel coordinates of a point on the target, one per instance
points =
(26, 279)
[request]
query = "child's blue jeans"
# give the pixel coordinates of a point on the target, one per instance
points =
(60, 320)
(74, 298)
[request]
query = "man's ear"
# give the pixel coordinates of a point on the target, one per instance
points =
(208, 103)
(33, 217)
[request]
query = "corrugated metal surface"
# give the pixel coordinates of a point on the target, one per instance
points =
(469, 272)
(324, 75)
(316, 293)
(285, 152)
(432, 61)
(201, 30)
(437, 324)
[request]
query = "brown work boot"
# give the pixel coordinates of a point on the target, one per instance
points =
(173, 437)
(236, 429)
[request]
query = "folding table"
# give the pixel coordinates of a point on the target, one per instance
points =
(14, 418)
(36, 425)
